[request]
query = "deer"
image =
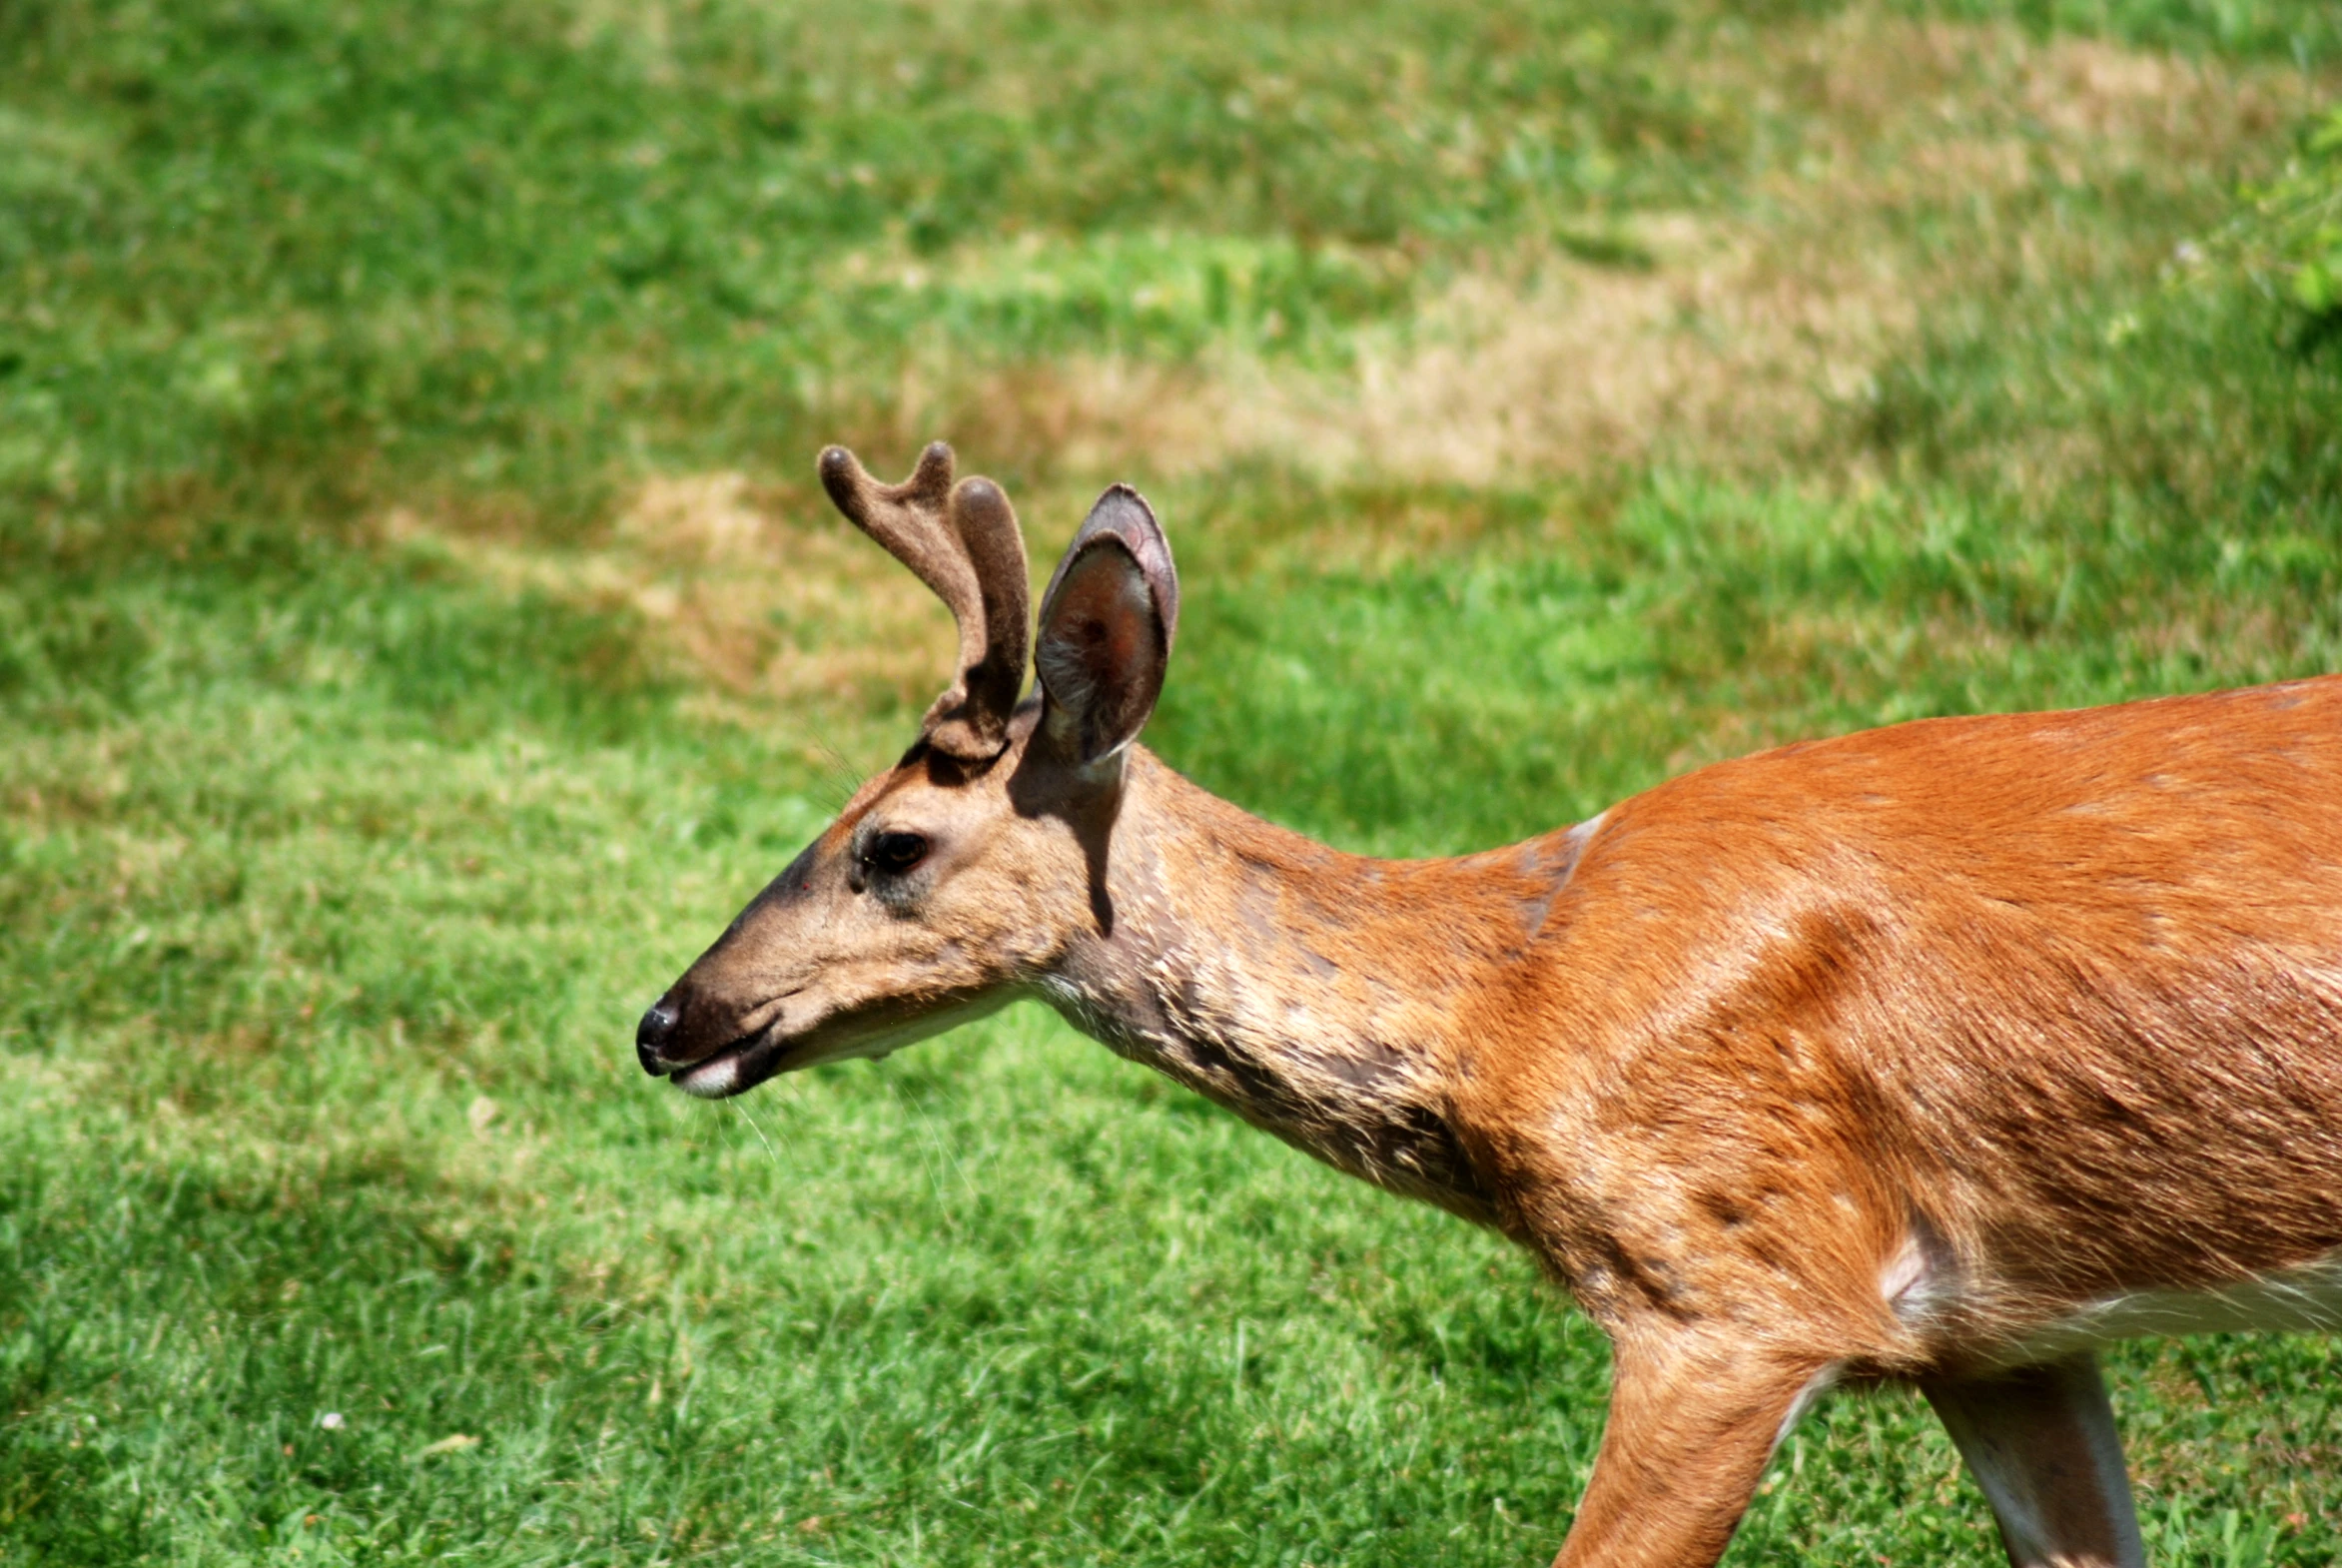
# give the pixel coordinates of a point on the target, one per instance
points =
(1943, 1053)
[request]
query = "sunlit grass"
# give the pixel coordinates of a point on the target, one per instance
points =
(418, 633)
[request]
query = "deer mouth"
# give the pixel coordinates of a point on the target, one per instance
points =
(733, 1069)
(741, 1063)
(767, 1053)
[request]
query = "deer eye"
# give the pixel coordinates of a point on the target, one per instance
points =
(896, 853)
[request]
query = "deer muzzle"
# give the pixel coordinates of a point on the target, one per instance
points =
(707, 1058)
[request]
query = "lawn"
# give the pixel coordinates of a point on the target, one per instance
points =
(420, 630)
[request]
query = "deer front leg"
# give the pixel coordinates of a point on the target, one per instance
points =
(1689, 1429)
(2040, 1441)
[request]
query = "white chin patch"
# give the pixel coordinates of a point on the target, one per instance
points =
(711, 1080)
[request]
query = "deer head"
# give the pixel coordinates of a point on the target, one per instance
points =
(951, 882)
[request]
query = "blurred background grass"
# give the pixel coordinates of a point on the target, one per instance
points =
(418, 633)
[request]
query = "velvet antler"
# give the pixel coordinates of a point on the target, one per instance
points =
(962, 541)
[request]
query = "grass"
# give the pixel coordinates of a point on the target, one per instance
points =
(418, 633)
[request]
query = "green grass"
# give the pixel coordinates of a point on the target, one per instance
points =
(337, 857)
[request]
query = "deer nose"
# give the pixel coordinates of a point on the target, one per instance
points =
(653, 1033)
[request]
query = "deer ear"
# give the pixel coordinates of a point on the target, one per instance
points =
(1106, 624)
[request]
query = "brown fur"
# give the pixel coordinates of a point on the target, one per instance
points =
(1874, 1056)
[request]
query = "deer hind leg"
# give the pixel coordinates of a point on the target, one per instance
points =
(2040, 1441)
(1689, 1432)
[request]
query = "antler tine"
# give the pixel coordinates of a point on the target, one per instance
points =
(963, 543)
(987, 526)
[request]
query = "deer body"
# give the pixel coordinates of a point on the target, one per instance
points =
(1942, 1052)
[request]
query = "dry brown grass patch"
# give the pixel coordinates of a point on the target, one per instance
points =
(1733, 350)
(762, 594)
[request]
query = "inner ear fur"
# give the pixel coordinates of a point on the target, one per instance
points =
(1106, 624)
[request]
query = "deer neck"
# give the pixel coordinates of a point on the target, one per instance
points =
(1326, 998)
